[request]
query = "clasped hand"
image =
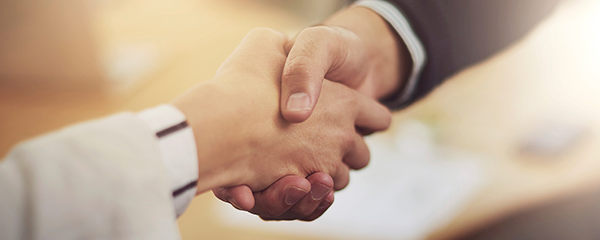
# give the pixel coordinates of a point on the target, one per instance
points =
(248, 151)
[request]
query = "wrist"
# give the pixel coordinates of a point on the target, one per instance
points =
(207, 112)
(388, 58)
(236, 120)
(231, 116)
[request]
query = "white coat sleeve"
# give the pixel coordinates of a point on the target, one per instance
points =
(98, 180)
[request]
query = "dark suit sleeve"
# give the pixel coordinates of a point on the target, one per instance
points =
(458, 33)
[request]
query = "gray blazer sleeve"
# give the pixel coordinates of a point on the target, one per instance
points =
(458, 33)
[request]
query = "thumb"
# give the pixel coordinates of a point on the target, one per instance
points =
(317, 53)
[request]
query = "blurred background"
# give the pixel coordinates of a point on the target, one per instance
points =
(518, 130)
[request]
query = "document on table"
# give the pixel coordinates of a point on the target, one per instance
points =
(410, 188)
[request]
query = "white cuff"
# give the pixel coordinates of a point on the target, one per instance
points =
(395, 18)
(178, 150)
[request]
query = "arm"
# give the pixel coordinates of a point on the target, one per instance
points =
(107, 178)
(379, 63)
(101, 179)
(236, 119)
(395, 55)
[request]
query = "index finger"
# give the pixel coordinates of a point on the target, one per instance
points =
(371, 115)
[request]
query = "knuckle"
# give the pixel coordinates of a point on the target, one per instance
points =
(347, 138)
(263, 31)
(267, 207)
(221, 194)
(315, 40)
(316, 31)
(297, 69)
(326, 39)
(270, 212)
(266, 34)
(301, 211)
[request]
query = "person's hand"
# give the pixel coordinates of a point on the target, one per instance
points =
(290, 198)
(243, 140)
(355, 47)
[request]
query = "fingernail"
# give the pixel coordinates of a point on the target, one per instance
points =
(324, 204)
(319, 191)
(293, 195)
(234, 203)
(298, 102)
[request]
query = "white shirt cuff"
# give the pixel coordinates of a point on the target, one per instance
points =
(397, 20)
(178, 151)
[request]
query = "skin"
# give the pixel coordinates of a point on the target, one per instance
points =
(355, 47)
(242, 139)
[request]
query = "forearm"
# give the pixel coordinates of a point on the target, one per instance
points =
(389, 59)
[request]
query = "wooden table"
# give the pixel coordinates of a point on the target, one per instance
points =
(488, 108)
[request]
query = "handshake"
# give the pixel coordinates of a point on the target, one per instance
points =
(281, 124)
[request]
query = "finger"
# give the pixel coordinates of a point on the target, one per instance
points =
(240, 197)
(317, 53)
(325, 204)
(321, 187)
(371, 115)
(280, 196)
(341, 178)
(358, 156)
